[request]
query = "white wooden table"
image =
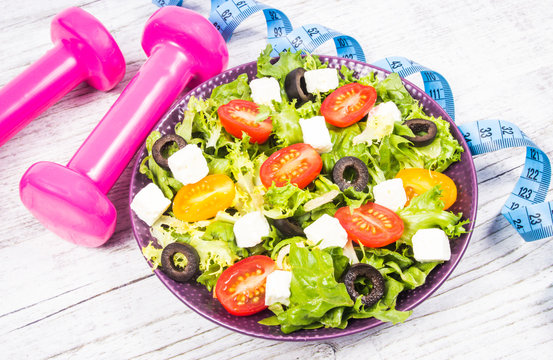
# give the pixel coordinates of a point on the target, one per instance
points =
(62, 301)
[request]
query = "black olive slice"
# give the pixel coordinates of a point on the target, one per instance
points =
(294, 85)
(160, 145)
(361, 176)
(369, 272)
(176, 273)
(421, 126)
(288, 227)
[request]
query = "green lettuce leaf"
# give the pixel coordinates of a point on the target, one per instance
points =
(237, 89)
(348, 76)
(284, 201)
(314, 290)
(287, 62)
(441, 153)
(340, 262)
(311, 307)
(286, 125)
(162, 178)
(426, 211)
(392, 89)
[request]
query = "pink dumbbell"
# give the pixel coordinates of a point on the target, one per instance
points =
(70, 200)
(84, 50)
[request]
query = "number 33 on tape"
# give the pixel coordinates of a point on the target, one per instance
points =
(525, 208)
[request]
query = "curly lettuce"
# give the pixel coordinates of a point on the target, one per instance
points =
(426, 211)
(213, 240)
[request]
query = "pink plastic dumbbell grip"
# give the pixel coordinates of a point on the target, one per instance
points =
(83, 50)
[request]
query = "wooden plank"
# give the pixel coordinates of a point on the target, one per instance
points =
(61, 301)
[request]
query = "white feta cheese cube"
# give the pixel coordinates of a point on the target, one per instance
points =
(329, 230)
(188, 165)
(265, 90)
(321, 80)
(277, 288)
(150, 203)
(250, 228)
(380, 123)
(390, 194)
(315, 133)
(431, 245)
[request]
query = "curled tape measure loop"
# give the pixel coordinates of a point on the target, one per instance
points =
(524, 209)
(226, 15)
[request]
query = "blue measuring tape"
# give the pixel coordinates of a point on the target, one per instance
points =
(226, 15)
(524, 209)
(309, 37)
(435, 84)
(161, 3)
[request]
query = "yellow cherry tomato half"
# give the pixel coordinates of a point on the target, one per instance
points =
(419, 181)
(204, 199)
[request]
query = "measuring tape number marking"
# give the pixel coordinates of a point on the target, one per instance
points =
(226, 15)
(435, 85)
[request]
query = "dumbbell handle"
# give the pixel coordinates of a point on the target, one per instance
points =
(37, 88)
(112, 144)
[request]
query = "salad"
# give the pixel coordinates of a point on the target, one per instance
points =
(308, 191)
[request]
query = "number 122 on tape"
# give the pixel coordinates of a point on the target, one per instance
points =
(525, 208)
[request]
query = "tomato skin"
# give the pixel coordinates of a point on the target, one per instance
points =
(202, 200)
(371, 224)
(238, 117)
(418, 181)
(300, 159)
(237, 286)
(348, 104)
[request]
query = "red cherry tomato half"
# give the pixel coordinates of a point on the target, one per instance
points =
(241, 287)
(348, 104)
(299, 163)
(371, 224)
(238, 117)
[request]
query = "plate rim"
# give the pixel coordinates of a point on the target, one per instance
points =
(300, 336)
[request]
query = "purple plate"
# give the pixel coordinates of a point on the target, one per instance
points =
(201, 301)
